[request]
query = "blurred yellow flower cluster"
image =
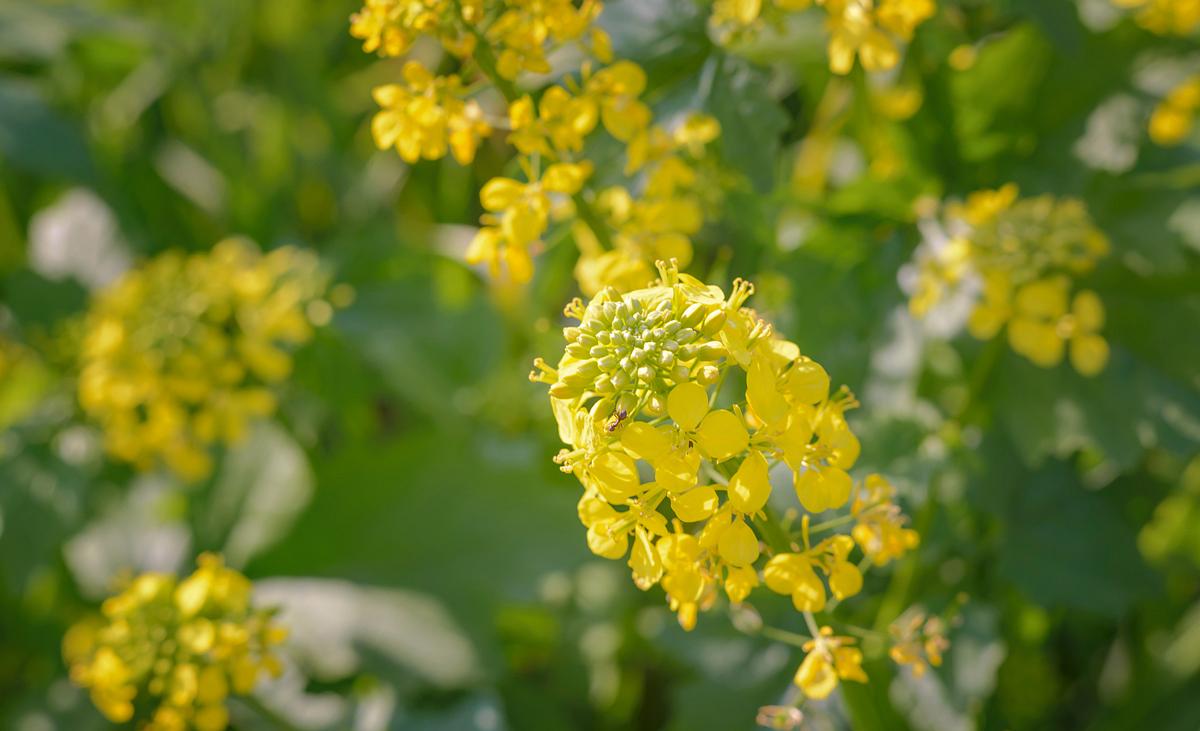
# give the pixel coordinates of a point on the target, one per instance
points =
(677, 402)
(1175, 116)
(620, 231)
(918, 640)
(182, 352)
(870, 30)
(174, 650)
(1019, 257)
(1164, 17)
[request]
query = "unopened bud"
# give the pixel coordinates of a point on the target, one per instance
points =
(666, 359)
(655, 407)
(685, 335)
(570, 334)
(713, 322)
(680, 373)
(693, 314)
(577, 350)
(712, 350)
(608, 363)
(708, 374)
(645, 373)
(563, 390)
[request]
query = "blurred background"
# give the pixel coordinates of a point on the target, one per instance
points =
(402, 505)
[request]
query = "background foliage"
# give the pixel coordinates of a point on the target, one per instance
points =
(404, 503)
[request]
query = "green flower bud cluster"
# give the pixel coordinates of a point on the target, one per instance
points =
(637, 348)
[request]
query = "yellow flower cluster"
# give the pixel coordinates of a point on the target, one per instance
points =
(1164, 17)
(1175, 116)
(174, 650)
(182, 352)
(676, 403)
(1020, 256)
(918, 641)
(619, 232)
(871, 30)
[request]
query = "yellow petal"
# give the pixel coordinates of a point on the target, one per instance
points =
(806, 382)
(500, 193)
(738, 545)
(845, 579)
(787, 572)
(1037, 341)
(644, 441)
(765, 400)
(816, 676)
(696, 504)
(601, 543)
(687, 404)
(1089, 354)
(739, 582)
(751, 485)
(822, 489)
(615, 475)
(676, 472)
(722, 435)
(1043, 299)
(1088, 311)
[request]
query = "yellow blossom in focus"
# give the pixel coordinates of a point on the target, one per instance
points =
(425, 117)
(177, 649)
(635, 398)
(183, 352)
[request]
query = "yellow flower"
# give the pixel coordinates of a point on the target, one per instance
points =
(1165, 17)
(853, 31)
(616, 89)
(182, 352)
(425, 117)
(636, 392)
(177, 649)
(1042, 326)
(391, 26)
(518, 214)
(1173, 119)
(879, 528)
(918, 641)
(558, 124)
(829, 660)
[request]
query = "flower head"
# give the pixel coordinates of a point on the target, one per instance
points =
(1016, 258)
(175, 648)
(184, 351)
(676, 468)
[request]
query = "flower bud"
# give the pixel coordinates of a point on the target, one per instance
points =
(570, 334)
(680, 373)
(685, 335)
(693, 314)
(713, 322)
(712, 350)
(579, 373)
(608, 363)
(708, 374)
(578, 350)
(563, 390)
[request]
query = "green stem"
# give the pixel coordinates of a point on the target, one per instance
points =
(834, 523)
(782, 635)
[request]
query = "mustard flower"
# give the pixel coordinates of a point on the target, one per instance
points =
(1017, 258)
(426, 116)
(175, 650)
(676, 470)
(185, 351)
(1175, 116)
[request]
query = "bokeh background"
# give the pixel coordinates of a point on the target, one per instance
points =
(403, 506)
